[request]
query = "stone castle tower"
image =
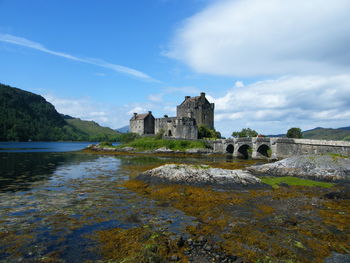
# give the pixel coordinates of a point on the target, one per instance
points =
(198, 108)
(191, 113)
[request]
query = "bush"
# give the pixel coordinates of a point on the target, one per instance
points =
(151, 143)
(105, 144)
(160, 134)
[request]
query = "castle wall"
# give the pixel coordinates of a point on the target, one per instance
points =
(166, 124)
(173, 127)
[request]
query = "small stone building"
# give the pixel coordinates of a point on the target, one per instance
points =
(142, 123)
(191, 113)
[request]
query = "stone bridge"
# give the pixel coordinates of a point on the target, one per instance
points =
(277, 148)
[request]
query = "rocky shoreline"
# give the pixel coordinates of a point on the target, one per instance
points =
(325, 167)
(328, 167)
(162, 150)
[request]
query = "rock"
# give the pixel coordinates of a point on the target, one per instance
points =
(127, 149)
(174, 258)
(207, 247)
(199, 150)
(163, 150)
(202, 239)
(199, 175)
(181, 242)
(342, 194)
(322, 167)
(338, 258)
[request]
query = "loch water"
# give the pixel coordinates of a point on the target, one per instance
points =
(52, 202)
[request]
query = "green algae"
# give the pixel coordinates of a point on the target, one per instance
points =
(289, 180)
(139, 244)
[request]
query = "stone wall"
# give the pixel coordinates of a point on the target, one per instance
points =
(137, 126)
(287, 147)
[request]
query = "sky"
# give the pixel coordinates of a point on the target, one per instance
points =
(269, 65)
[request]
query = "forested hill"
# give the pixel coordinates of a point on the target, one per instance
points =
(319, 133)
(27, 116)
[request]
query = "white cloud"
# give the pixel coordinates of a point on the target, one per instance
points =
(270, 37)
(271, 106)
(137, 109)
(20, 41)
(156, 97)
(87, 109)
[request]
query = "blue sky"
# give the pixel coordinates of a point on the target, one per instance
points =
(268, 65)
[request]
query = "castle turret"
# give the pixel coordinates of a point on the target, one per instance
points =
(198, 108)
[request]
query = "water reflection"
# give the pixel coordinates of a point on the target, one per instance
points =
(51, 203)
(19, 170)
(42, 146)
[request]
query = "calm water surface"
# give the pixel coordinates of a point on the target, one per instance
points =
(42, 146)
(53, 202)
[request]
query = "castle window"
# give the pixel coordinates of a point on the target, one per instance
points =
(169, 133)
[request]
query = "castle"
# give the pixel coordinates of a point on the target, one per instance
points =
(190, 114)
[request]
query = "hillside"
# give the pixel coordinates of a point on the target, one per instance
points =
(319, 133)
(328, 134)
(92, 129)
(27, 116)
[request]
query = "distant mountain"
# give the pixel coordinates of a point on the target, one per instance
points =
(27, 116)
(328, 134)
(345, 128)
(123, 129)
(339, 134)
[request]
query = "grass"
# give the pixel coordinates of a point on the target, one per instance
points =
(151, 143)
(275, 181)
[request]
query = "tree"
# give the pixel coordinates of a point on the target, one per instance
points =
(205, 132)
(246, 132)
(294, 133)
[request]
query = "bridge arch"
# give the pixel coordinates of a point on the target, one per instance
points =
(230, 148)
(244, 151)
(264, 150)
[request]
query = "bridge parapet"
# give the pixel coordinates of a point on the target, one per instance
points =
(277, 148)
